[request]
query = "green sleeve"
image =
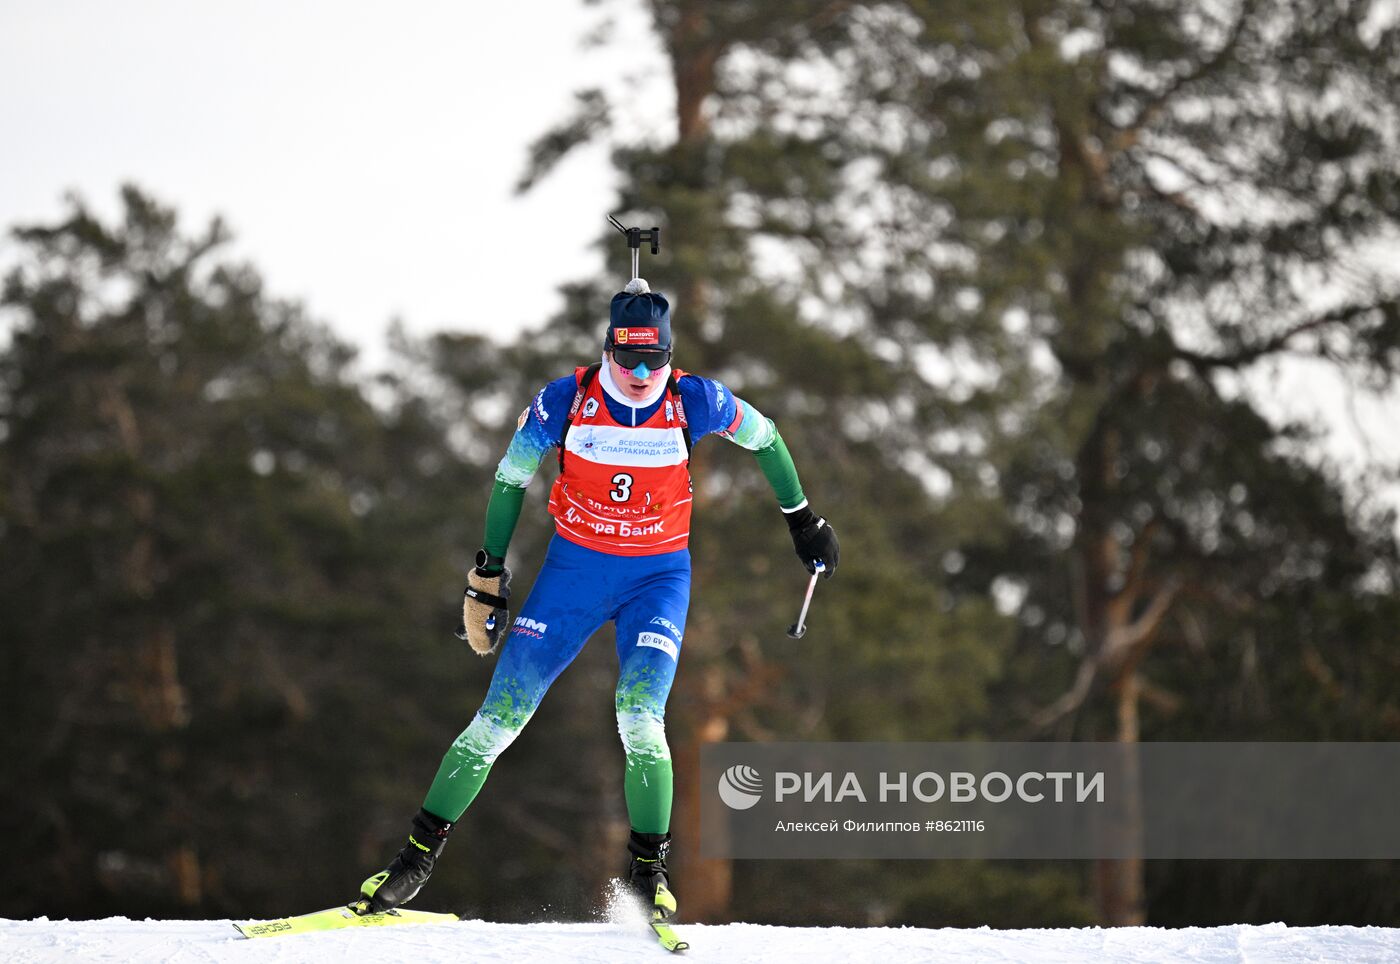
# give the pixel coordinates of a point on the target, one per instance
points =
(781, 474)
(502, 512)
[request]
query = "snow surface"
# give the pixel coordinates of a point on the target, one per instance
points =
(119, 939)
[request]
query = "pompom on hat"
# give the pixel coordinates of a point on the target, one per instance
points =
(640, 319)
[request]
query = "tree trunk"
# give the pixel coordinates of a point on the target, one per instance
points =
(1119, 884)
(705, 886)
(158, 696)
(694, 54)
(187, 878)
(1117, 642)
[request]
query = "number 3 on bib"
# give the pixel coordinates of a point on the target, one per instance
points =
(623, 492)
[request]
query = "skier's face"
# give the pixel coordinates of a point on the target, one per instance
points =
(633, 385)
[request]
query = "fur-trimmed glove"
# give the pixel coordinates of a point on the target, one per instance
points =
(815, 541)
(485, 605)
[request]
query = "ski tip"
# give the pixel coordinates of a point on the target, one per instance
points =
(668, 937)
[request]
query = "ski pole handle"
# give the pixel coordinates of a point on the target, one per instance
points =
(798, 629)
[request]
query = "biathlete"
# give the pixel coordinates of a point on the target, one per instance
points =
(621, 505)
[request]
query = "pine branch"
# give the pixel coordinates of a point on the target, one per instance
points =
(1150, 111)
(591, 117)
(1243, 356)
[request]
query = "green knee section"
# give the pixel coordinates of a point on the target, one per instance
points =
(648, 788)
(458, 781)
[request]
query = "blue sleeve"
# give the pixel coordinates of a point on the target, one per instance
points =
(538, 429)
(710, 407)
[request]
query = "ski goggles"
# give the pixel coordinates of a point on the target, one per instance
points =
(633, 359)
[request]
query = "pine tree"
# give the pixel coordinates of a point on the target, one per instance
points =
(842, 408)
(1058, 237)
(218, 582)
(1095, 220)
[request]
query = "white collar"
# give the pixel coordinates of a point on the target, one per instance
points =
(617, 395)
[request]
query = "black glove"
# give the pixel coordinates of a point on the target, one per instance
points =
(814, 540)
(485, 606)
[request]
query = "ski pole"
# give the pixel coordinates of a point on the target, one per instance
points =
(797, 630)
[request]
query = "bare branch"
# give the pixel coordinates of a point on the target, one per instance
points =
(1162, 699)
(1243, 356)
(1072, 699)
(1151, 110)
(1122, 642)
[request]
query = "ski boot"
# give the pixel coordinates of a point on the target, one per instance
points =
(647, 874)
(408, 871)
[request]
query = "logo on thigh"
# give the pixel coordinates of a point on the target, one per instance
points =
(525, 626)
(665, 623)
(656, 641)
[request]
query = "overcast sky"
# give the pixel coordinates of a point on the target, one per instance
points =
(363, 154)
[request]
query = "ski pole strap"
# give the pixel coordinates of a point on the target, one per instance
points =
(490, 599)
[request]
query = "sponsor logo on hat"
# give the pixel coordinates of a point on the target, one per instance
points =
(636, 336)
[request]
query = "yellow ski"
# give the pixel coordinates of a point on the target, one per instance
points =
(663, 909)
(666, 935)
(336, 918)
